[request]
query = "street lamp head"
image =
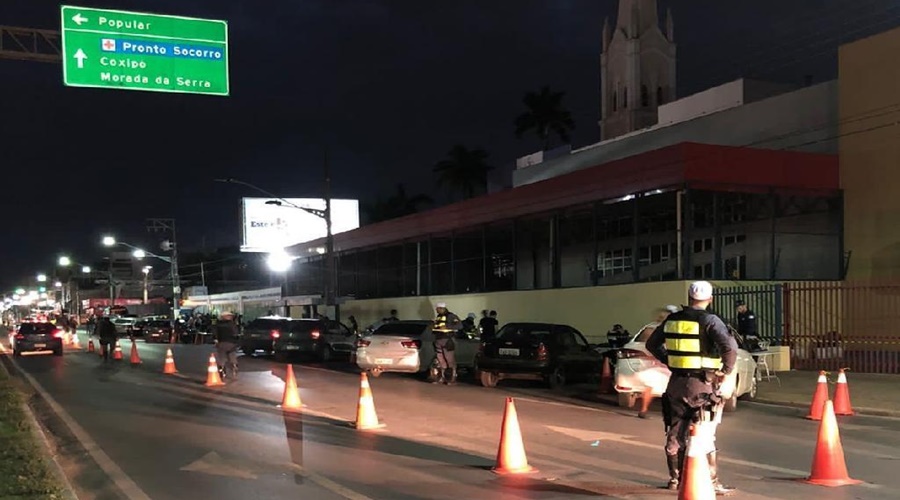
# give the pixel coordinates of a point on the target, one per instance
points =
(139, 254)
(86, 269)
(65, 261)
(41, 277)
(109, 241)
(279, 261)
(146, 269)
(58, 284)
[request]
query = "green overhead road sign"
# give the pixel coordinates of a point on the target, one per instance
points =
(137, 51)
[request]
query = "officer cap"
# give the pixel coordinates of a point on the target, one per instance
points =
(700, 290)
(739, 302)
(440, 305)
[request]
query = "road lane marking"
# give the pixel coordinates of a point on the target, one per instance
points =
(566, 405)
(109, 467)
(213, 463)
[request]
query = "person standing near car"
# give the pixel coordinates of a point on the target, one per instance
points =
(652, 379)
(488, 326)
(106, 330)
(700, 352)
(226, 345)
(445, 326)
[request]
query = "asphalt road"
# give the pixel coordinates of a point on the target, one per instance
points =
(133, 432)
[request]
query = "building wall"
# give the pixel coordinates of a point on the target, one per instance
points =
(592, 310)
(869, 74)
(804, 120)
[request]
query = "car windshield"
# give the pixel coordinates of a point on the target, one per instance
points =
(36, 328)
(158, 324)
(266, 324)
(645, 333)
(526, 333)
(401, 329)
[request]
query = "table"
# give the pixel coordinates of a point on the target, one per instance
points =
(762, 361)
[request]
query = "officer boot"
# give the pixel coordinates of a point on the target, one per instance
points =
(720, 488)
(439, 376)
(451, 380)
(674, 463)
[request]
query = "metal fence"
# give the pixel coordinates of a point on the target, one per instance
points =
(832, 325)
(765, 301)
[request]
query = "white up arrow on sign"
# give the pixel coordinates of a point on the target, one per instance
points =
(80, 56)
(78, 18)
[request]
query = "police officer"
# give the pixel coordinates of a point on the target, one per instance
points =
(446, 324)
(699, 350)
(746, 319)
(226, 344)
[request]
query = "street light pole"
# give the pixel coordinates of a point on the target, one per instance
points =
(330, 282)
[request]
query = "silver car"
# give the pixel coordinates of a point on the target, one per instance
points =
(408, 347)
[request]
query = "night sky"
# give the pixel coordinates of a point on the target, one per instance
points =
(387, 85)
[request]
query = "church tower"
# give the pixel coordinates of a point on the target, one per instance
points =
(637, 68)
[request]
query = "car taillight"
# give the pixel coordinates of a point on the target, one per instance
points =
(315, 334)
(276, 334)
(630, 354)
(363, 343)
(19, 336)
(411, 344)
(542, 352)
(57, 334)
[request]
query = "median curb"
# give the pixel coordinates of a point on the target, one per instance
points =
(46, 447)
(858, 410)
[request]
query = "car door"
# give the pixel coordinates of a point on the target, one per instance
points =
(340, 338)
(466, 348)
(567, 351)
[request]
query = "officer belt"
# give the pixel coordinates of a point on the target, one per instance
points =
(701, 374)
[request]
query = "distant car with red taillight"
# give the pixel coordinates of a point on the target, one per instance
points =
(324, 339)
(407, 346)
(556, 354)
(37, 337)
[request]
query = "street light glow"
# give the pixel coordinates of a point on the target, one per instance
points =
(58, 284)
(109, 241)
(41, 277)
(146, 269)
(279, 261)
(139, 254)
(86, 269)
(65, 261)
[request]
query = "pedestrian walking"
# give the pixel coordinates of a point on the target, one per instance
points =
(226, 334)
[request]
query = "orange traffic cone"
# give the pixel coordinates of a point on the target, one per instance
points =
(169, 367)
(117, 354)
(91, 345)
(291, 398)
(819, 398)
(511, 457)
(606, 380)
(366, 418)
(842, 404)
(696, 479)
(135, 358)
(212, 373)
(828, 467)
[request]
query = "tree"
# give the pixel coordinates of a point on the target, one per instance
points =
(545, 116)
(398, 204)
(464, 170)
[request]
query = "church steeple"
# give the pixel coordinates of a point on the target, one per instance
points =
(637, 68)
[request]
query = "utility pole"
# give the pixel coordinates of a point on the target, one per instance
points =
(168, 225)
(330, 282)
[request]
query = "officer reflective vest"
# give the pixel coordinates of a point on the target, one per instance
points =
(688, 347)
(440, 324)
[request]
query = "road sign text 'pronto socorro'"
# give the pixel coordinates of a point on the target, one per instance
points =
(137, 51)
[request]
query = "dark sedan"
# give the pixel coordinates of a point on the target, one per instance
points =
(157, 331)
(556, 354)
(37, 337)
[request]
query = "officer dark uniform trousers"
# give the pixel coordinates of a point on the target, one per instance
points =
(446, 324)
(699, 350)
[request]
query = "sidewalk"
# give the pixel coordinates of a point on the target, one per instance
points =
(870, 394)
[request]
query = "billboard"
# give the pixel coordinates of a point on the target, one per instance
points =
(268, 226)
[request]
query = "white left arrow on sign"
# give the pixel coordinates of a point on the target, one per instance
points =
(78, 18)
(80, 56)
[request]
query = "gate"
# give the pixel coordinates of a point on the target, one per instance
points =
(764, 300)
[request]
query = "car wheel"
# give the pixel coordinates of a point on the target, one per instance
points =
(627, 399)
(280, 357)
(58, 352)
(17, 353)
(754, 387)
(489, 379)
(557, 379)
(247, 351)
(326, 354)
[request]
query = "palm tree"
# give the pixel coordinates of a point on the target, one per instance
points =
(396, 205)
(464, 170)
(546, 115)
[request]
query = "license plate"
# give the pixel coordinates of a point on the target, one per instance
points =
(384, 361)
(40, 345)
(292, 348)
(508, 352)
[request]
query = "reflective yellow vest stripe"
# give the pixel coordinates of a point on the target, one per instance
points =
(685, 350)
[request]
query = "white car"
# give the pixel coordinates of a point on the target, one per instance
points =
(637, 369)
(408, 347)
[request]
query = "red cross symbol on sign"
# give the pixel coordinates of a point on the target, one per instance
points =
(109, 44)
